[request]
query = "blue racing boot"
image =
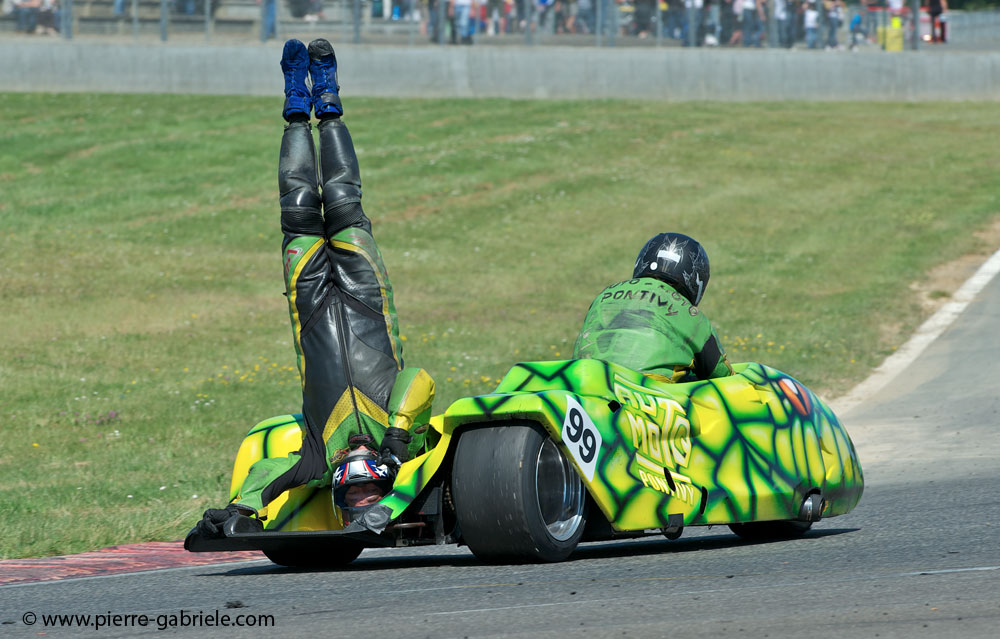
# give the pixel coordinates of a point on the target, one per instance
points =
(295, 66)
(325, 90)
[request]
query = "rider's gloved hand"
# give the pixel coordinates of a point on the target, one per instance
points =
(393, 449)
(211, 522)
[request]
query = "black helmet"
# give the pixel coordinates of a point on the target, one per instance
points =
(360, 467)
(678, 260)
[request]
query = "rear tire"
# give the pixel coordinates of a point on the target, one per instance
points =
(517, 498)
(764, 530)
(329, 557)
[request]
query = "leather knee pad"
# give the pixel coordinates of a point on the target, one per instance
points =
(300, 212)
(340, 216)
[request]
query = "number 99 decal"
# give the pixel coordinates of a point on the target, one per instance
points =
(581, 437)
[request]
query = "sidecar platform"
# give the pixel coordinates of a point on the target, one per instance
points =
(240, 538)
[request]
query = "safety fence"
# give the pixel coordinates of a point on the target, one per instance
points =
(978, 27)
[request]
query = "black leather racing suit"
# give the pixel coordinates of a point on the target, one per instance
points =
(341, 308)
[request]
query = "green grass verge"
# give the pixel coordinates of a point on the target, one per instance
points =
(144, 330)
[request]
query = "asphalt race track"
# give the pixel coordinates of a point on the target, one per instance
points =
(919, 557)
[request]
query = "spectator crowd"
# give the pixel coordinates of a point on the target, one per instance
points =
(747, 23)
(812, 24)
(34, 16)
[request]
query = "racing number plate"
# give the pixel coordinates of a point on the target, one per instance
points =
(582, 439)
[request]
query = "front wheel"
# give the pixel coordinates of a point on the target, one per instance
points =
(517, 497)
(809, 512)
(343, 553)
(763, 530)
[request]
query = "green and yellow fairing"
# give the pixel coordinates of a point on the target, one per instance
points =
(311, 507)
(748, 447)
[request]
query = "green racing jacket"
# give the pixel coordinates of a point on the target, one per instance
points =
(646, 325)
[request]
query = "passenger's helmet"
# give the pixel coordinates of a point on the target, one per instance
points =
(360, 467)
(678, 260)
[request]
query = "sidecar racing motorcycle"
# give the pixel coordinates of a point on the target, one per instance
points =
(580, 450)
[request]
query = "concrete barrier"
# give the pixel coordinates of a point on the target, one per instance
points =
(512, 72)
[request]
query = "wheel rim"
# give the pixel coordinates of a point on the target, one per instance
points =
(560, 493)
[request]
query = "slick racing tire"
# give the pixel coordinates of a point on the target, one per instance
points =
(517, 498)
(317, 557)
(763, 530)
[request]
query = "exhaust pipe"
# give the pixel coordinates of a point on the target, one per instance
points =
(812, 508)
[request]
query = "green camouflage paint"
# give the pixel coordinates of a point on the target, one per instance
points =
(748, 447)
